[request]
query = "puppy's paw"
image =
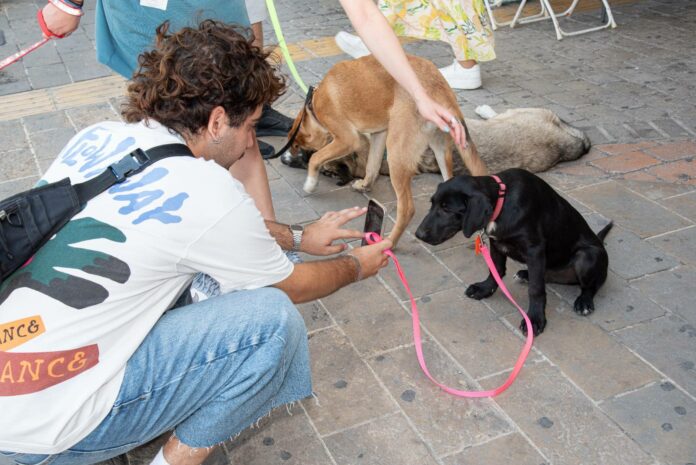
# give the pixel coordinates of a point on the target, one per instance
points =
(310, 184)
(522, 276)
(479, 291)
(537, 326)
(360, 185)
(583, 305)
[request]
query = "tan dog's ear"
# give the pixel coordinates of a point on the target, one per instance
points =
(296, 144)
(297, 122)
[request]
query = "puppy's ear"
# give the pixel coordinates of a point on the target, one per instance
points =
(478, 212)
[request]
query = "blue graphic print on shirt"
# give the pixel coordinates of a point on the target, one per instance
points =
(96, 147)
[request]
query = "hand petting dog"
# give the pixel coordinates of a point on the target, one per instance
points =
(442, 118)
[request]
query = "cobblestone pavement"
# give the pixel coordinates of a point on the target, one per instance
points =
(618, 387)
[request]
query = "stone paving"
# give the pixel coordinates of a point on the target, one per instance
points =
(618, 387)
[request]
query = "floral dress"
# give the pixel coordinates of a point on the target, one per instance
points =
(463, 24)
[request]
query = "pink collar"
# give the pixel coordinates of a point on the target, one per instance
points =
(501, 197)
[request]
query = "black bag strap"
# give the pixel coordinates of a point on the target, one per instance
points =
(133, 163)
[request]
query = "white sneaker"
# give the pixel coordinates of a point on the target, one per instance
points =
(351, 44)
(459, 77)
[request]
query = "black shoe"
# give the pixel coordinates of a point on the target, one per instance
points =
(293, 162)
(273, 123)
(267, 150)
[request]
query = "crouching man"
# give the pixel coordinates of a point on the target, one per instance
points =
(92, 363)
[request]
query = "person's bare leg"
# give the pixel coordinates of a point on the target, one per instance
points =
(468, 63)
(257, 29)
(178, 453)
(250, 170)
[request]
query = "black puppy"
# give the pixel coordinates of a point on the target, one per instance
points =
(536, 226)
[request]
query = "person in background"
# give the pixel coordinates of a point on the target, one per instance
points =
(367, 20)
(463, 24)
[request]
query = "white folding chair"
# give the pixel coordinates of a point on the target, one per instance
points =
(546, 12)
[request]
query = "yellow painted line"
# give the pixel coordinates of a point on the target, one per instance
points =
(25, 104)
(77, 94)
(99, 90)
(87, 92)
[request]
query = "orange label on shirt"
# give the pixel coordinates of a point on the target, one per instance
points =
(24, 373)
(18, 332)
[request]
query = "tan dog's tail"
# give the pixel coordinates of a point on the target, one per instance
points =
(470, 155)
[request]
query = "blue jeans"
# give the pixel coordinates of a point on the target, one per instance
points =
(207, 371)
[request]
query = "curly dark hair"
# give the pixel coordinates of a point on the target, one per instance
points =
(193, 70)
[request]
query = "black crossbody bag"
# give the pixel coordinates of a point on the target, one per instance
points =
(29, 219)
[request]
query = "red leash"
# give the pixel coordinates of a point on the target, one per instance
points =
(373, 238)
(48, 35)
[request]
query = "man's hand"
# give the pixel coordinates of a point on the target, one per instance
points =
(59, 22)
(372, 257)
(319, 236)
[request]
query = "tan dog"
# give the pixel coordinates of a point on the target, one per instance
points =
(359, 107)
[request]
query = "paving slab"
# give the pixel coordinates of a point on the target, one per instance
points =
(315, 316)
(655, 189)
(348, 393)
(631, 257)
(289, 207)
(84, 116)
(18, 163)
(386, 440)
(668, 344)
(660, 418)
(47, 121)
(446, 422)
(48, 144)
(679, 244)
(640, 215)
(672, 289)
(499, 452)
(370, 316)
(590, 357)
(426, 274)
(685, 205)
(566, 426)
(13, 138)
(287, 437)
(618, 304)
(10, 188)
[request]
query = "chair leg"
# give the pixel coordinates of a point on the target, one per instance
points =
(546, 12)
(560, 33)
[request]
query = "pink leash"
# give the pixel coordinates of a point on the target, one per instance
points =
(373, 238)
(48, 36)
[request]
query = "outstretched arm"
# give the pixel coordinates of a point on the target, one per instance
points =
(379, 37)
(314, 280)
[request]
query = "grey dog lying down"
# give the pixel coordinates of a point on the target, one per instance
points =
(534, 139)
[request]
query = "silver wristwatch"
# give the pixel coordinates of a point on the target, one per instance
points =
(296, 230)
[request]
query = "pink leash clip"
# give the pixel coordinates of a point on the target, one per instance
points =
(48, 36)
(373, 238)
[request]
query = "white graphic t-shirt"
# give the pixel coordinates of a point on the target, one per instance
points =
(72, 317)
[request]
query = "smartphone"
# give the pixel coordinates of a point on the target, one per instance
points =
(373, 218)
